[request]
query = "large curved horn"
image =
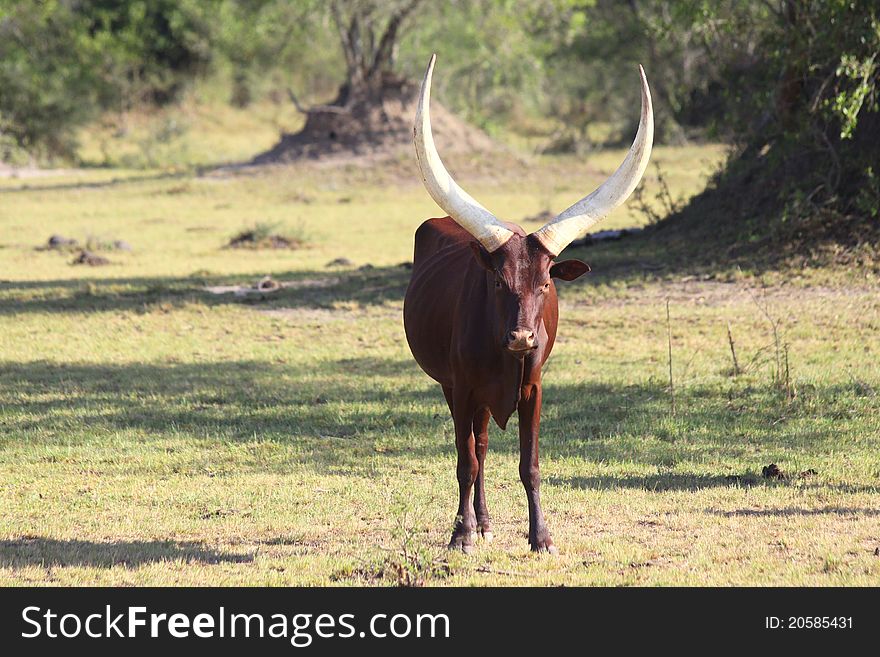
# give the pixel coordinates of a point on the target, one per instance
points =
(575, 221)
(456, 202)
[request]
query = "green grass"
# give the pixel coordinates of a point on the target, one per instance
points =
(154, 432)
(200, 131)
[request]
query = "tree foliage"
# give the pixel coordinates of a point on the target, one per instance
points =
(63, 62)
(803, 113)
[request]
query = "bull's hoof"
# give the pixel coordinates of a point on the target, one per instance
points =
(466, 549)
(463, 535)
(465, 543)
(544, 545)
(484, 529)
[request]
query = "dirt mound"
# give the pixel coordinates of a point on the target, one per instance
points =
(90, 259)
(373, 122)
(251, 239)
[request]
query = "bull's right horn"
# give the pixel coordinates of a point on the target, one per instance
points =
(576, 220)
(456, 202)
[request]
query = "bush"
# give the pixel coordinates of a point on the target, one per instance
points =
(62, 63)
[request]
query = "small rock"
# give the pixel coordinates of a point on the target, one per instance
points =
(59, 242)
(267, 284)
(877, 551)
(366, 267)
(121, 245)
(340, 262)
(405, 265)
(807, 473)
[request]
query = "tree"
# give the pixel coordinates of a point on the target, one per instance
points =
(372, 108)
(487, 52)
(369, 56)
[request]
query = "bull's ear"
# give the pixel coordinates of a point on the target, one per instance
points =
(568, 270)
(482, 256)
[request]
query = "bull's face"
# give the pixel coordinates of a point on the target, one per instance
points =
(520, 275)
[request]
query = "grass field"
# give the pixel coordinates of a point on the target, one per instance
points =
(154, 430)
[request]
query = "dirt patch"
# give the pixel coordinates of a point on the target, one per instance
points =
(773, 471)
(268, 284)
(90, 259)
(252, 239)
(92, 244)
(9, 171)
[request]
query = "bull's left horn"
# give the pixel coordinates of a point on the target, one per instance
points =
(577, 219)
(456, 202)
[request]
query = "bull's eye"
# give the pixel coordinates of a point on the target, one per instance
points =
(546, 287)
(497, 284)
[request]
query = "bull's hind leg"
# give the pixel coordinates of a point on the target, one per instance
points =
(465, 521)
(481, 440)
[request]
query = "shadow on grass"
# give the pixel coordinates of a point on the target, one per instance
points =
(116, 181)
(324, 289)
(656, 483)
(303, 290)
(47, 552)
(346, 415)
(639, 257)
(237, 399)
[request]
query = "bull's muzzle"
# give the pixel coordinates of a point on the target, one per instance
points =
(519, 341)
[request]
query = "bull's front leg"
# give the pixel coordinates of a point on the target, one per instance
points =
(466, 470)
(529, 473)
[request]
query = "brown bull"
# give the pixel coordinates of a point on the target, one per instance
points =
(481, 313)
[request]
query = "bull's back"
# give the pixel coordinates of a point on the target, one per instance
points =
(442, 261)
